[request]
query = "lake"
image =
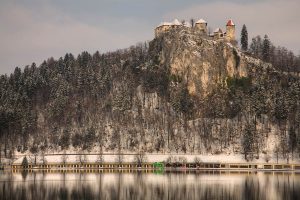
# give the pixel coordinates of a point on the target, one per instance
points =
(179, 185)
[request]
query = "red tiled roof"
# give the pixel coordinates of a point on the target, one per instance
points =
(230, 23)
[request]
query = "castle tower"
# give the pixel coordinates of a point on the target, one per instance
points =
(201, 26)
(176, 23)
(230, 31)
(162, 28)
(218, 34)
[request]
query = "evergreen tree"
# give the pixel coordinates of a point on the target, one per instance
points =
(248, 141)
(256, 46)
(244, 38)
(89, 138)
(25, 162)
(192, 21)
(292, 142)
(266, 49)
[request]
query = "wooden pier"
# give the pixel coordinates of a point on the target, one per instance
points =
(200, 166)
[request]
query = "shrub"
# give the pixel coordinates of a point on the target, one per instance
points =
(234, 83)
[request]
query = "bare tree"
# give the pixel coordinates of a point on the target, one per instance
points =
(85, 159)
(43, 158)
(64, 158)
(140, 158)
(120, 155)
(182, 160)
(170, 161)
(267, 157)
(100, 158)
(34, 151)
(120, 158)
(81, 158)
(197, 161)
(277, 152)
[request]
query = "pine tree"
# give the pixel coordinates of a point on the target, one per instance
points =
(244, 38)
(248, 141)
(64, 141)
(258, 46)
(192, 21)
(292, 142)
(25, 162)
(266, 49)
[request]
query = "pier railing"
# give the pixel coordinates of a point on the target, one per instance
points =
(205, 166)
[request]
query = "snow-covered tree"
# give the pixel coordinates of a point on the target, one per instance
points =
(244, 38)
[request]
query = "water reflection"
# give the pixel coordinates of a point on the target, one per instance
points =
(193, 185)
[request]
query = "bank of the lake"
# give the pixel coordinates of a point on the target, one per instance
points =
(149, 161)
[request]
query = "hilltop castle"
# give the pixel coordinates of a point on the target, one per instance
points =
(201, 27)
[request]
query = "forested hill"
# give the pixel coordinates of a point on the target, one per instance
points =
(180, 93)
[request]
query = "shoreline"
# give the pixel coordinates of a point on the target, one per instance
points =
(154, 171)
(159, 166)
(131, 158)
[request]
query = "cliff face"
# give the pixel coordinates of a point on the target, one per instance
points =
(202, 63)
(183, 94)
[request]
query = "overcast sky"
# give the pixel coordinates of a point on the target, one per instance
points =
(34, 30)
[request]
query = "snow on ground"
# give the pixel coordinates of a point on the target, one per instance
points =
(151, 158)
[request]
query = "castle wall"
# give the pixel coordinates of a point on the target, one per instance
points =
(201, 27)
(218, 36)
(161, 29)
(230, 33)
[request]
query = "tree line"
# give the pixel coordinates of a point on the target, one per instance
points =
(62, 90)
(264, 49)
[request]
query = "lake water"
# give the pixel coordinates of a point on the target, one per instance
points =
(139, 185)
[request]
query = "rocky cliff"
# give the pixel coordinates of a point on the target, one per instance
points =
(184, 93)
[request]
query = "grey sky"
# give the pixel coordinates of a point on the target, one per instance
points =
(34, 30)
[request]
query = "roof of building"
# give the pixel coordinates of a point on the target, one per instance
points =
(201, 21)
(230, 23)
(187, 24)
(218, 30)
(176, 22)
(164, 24)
